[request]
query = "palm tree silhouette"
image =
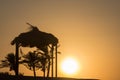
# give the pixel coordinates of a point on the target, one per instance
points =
(9, 62)
(39, 39)
(31, 61)
(44, 60)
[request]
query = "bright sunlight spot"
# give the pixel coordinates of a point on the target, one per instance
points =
(69, 66)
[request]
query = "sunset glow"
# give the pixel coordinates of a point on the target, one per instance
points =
(69, 66)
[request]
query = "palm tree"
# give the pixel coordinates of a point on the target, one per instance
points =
(9, 62)
(31, 61)
(44, 60)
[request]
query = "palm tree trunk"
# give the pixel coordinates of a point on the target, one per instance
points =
(34, 72)
(44, 71)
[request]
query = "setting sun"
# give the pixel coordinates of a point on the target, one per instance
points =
(69, 66)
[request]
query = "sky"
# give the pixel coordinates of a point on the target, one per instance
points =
(88, 31)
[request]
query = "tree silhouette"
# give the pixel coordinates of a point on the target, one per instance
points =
(31, 61)
(9, 62)
(44, 60)
(39, 39)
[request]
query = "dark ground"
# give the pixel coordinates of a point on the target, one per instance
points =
(10, 77)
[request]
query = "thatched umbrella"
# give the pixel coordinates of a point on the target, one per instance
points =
(35, 38)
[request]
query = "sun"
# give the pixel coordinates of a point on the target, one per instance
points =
(69, 66)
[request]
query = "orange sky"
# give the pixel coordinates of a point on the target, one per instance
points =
(88, 30)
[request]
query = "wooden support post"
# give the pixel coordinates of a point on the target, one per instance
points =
(17, 60)
(56, 61)
(52, 51)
